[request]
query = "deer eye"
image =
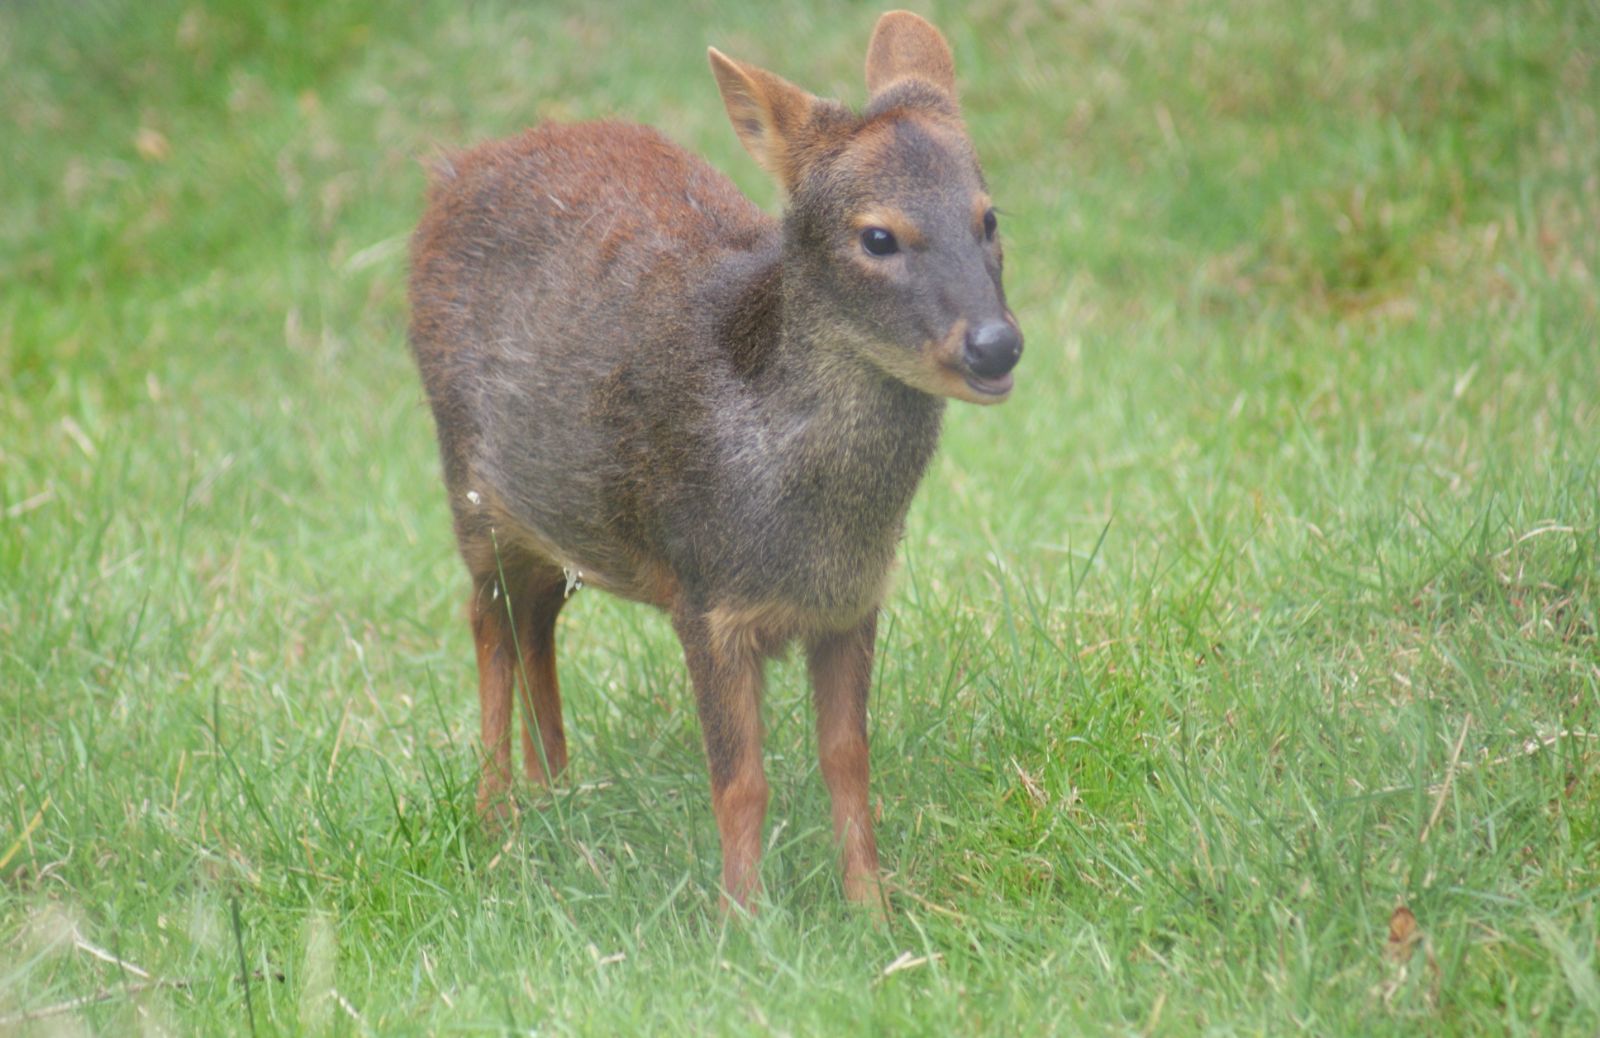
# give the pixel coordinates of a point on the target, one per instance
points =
(879, 242)
(989, 224)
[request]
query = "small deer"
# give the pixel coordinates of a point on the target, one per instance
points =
(643, 383)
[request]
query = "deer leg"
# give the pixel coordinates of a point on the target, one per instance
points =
(544, 741)
(726, 673)
(841, 672)
(491, 635)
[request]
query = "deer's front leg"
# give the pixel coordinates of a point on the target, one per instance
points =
(841, 672)
(726, 672)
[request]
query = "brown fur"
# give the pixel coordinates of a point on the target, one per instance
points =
(642, 382)
(980, 205)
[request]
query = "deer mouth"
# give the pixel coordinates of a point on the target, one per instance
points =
(995, 386)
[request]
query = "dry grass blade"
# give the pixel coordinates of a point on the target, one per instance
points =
(105, 956)
(27, 831)
(1449, 778)
(906, 961)
(103, 995)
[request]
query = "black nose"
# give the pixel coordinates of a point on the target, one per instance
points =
(992, 349)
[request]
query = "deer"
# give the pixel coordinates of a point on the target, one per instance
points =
(643, 383)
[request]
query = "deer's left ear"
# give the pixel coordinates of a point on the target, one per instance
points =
(771, 115)
(905, 46)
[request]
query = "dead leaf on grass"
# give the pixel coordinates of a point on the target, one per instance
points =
(151, 144)
(1404, 936)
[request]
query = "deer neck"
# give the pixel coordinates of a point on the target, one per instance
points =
(851, 435)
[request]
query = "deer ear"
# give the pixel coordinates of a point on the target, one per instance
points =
(906, 46)
(770, 114)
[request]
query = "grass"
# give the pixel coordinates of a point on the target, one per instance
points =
(1267, 605)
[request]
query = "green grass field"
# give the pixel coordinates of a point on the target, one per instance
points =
(1267, 605)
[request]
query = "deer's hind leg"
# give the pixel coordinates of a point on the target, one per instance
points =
(491, 638)
(544, 740)
(513, 612)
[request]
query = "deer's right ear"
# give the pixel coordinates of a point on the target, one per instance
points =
(907, 46)
(770, 114)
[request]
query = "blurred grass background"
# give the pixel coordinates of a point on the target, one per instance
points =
(1267, 605)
